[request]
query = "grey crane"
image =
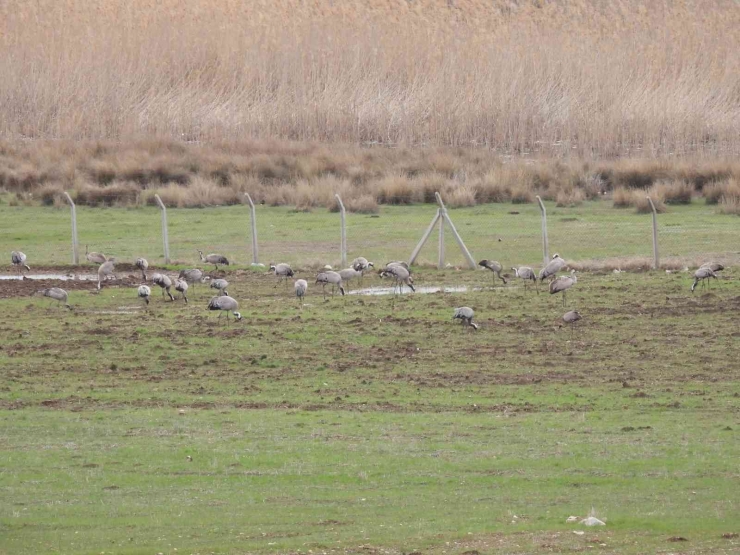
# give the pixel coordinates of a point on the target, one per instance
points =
(348, 274)
(282, 271)
(702, 274)
(143, 292)
(143, 265)
(224, 303)
(19, 261)
(214, 259)
(527, 274)
(182, 286)
(570, 318)
(106, 270)
(300, 286)
(361, 264)
(400, 275)
(714, 266)
(95, 257)
(401, 263)
(220, 285)
(495, 268)
(193, 276)
(466, 315)
(332, 278)
(552, 267)
(563, 283)
(57, 294)
(164, 282)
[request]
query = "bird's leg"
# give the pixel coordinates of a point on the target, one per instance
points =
(563, 299)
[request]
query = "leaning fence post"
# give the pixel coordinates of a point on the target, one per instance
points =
(441, 252)
(75, 255)
(656, 258)
(455, 234)
(255, 253)
(424, 237)
(165, 239)
(545, 244)
(344, 231)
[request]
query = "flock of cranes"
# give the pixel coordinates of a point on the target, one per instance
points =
(398, 272)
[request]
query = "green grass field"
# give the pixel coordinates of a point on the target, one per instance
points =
(363, 424)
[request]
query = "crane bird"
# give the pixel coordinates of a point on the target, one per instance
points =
(143, 265)
(563, 283)
(143, 292)
(401, 263)
(400, 275)
(527, 274)
(220, 285)
(495, 268)
(348, 274)
(95, 257)
(224, 303)
(193, 276)
(282, 271)
(714, 266)
(57, 294)
(300, 286)
(164, 282)
(465, 314)
(182, 286)
(106, 270)
(214, 259)
(361, 264)
(552, 267)
(19, 260)
(570, 318)
(702, 274)
(332, 278)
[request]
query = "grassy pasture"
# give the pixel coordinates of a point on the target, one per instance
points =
(364, 424)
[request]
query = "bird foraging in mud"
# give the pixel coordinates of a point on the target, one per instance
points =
(224, 303)
(144, 292)
(95, 257)
(182, 287)
(282, 271)
(19, 261)
(702, 274)
(400, 276)
(527, 274)
(332, 278)
(106, 271)
(214, 259)
(301, 286)
(142, 264)
(165, 283)
(220, 285)
(465, 314)
(495, 268)
(57, 294)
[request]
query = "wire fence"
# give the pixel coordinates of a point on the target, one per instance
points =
(593, 235)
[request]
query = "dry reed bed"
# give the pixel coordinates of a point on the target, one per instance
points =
(308, 175)
(620, 78)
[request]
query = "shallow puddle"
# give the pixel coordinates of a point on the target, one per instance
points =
(419, 290)
(60, 277)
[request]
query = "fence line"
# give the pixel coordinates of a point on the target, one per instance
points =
(654, 214)
(165, 237)
(253, 219)
(545, 245)
(343, 244)
(75, 244)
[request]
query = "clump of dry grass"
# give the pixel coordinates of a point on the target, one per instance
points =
(673, 192)
(714, 192)
(365, 204)
(572, 197)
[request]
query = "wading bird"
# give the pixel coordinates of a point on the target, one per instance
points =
(19, 261)
(224, 304)
(95, 257)
(361, 264)
(348, 274)
(332, 278)
(495, 268)
(282, 271)
(106, 270)
(702, 274)
(214, 259)
(143, 265)
(552, 267)
(563, 283)
(164, 282)
(220, 285)
(465, 314)
(57, 294)
(182, 286)
(143, 292)
(300, 286)
(400, 275)
(527, 274)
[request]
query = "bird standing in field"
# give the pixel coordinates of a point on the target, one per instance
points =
(95, 257)
(332, 278)
(570, 318)
(220, 285)
(182, 286)
(164, 282)
(142, 264)
(57, 294)
(400, 275)
(193, 276)
(224, 303)
(527, 274)
(301, 286)
(19, 261)
(143, 292)
(563, 283)
(495, 268)
(361, 264)
(214, 259)
(465, 314)
(714, 266)
(106, 270)
(348, 274)
(282, 271)
(552, 267)
(702, 274)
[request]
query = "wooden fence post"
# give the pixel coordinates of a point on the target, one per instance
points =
(545, 243)
(165, 239)
(441, 251)
(75, 250)
(255, 253)
(446, 218)
(656, 258)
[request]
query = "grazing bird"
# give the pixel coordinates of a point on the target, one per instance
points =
(465, 314)
(563, 283)
(361, 264)
(702, 274)
(143, 265)
(193, 276)
(95, 257)
(495, 267)
(57, 294)
(165, 283)
(19, 260)
(221, 285)
(282, 271)
(182, 286)
(399, 263)
(143, 292)
(224, 304)
(552, 267)
(106, 270)
(526, 273)
(400, 275)
(300, 286)
(570, 318)
(348, 274)
(214, 259)
(714, 266)
(332, 278)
